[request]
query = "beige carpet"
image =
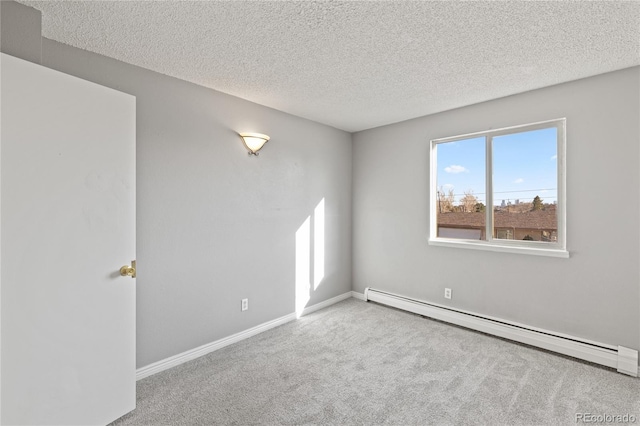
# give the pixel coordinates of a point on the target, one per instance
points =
(358, 363)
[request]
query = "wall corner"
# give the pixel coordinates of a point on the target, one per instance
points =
(21, 31)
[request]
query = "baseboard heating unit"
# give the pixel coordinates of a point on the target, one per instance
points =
(623, 359)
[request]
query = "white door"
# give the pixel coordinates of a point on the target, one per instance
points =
(67, 225)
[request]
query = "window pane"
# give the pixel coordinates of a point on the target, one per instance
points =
(525, 186)
(461, 189)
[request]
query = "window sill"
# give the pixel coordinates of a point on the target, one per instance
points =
(499, 248)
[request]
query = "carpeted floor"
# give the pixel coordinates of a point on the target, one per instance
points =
(358, 363)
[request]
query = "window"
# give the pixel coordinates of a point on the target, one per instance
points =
(501, 190)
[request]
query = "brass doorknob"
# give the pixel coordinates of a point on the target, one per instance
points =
(129, 271)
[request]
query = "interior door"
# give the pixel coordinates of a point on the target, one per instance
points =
(67, 225)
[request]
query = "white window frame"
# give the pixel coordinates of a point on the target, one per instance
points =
(554, 249)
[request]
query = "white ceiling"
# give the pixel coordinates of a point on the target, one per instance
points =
(356, 65)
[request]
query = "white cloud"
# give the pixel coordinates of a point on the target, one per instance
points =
(454, 168)
(555, 157)
(519, 180)
(447, 186)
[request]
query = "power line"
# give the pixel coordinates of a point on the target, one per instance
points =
(506, 192)
(511, 200)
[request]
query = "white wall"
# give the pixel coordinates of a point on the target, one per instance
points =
(215, 225)
(595, 294)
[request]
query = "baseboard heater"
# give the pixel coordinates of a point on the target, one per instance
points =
(623, 359)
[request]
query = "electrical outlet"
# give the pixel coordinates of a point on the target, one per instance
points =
(447, 293)
(245, 304)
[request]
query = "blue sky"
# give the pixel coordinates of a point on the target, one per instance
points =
(524, 165)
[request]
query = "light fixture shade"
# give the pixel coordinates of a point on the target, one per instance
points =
(254, 141)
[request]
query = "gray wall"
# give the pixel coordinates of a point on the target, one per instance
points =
(595, 294)
(20, 31)
(214, 224)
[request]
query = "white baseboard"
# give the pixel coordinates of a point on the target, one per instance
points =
(183, 357)
(326, 303)
(359, 296)
(189, 355)
(623, 359)
(627, 361)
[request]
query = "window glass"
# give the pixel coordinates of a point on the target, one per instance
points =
(525, 177)
(502, 188)
(461, 189)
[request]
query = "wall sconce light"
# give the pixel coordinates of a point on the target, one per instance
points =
(254, 141)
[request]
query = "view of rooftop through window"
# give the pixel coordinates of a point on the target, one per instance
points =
(524, 186)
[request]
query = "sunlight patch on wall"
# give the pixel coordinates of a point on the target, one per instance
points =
(318, 244)
(303, 266)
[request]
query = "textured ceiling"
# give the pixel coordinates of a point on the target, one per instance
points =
(356, 65)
